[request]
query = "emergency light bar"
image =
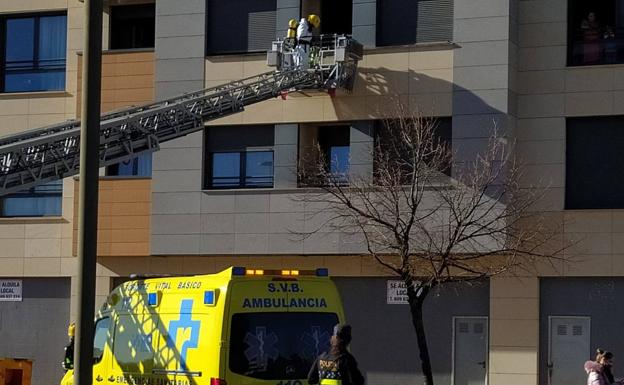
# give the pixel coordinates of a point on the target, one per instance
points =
(243, 271)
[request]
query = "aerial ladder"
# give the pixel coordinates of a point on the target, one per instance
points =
(51, 153)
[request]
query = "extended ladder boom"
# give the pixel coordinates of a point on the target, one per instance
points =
(51, 153)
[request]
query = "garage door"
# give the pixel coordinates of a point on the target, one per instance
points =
(36, 327)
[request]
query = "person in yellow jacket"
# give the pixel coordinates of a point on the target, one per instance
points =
(337, 366)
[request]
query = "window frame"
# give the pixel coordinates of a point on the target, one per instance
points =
(604, 200)
(111, 32)
(31, 193)
(242, 168)
(573, 38)
(113, 170)
(3, 39)
(208, 51)
(444, 125)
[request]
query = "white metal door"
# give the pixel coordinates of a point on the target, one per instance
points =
(568, 349)
(470, 347)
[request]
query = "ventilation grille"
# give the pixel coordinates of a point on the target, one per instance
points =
(562, 330)
(464, 327)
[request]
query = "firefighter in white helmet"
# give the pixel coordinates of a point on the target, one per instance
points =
(304, 39)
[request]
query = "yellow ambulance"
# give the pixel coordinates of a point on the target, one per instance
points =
(240, 326)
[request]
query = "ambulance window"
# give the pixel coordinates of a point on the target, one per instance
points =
(278, 346)
(100, 338)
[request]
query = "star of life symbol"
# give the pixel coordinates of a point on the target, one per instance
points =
(177, 328)
(261, 349)
(315, 342)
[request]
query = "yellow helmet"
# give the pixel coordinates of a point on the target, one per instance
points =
(314, 20)
(292, 23)
(71, 330)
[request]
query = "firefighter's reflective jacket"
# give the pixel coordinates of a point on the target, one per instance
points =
(330, 369)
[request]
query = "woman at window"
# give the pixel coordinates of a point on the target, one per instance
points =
(590, 30)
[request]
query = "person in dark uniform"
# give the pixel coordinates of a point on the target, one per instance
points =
(68, 360)
(338, 366)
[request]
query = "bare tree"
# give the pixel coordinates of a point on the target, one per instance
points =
(429, 228)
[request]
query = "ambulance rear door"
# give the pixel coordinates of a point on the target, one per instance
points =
(277, 328)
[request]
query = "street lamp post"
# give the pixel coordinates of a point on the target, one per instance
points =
(88, 199)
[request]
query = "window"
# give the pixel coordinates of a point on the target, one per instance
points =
(291, 341)
(595, 32)
(392, 148)
(240, 26)
(334, 142)
(594, 159)
(245, 169)
(100, 338)
(239, 157)
(132, 26)
(40, 201)
(414, 21)
(329, 145)
(336, 16)
(34, 53)
(139, 166)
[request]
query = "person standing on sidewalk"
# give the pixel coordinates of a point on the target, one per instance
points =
(337, 366)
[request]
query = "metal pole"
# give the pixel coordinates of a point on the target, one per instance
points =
(88, 199)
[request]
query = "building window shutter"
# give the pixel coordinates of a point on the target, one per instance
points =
(414, 21)
(435, 21)
(240, 26)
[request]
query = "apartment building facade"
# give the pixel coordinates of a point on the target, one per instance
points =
(544, 72)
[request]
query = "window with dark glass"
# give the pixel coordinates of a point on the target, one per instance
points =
(595, 32)
(240, 26)
(132, 26)
(139, 166)
(394, 150)
(594, 159)
(336, 17)
(239, 157)
(334, 142)
(326, 146)
(40, 201)
(414, 21)
(290, 343)
(33, 58)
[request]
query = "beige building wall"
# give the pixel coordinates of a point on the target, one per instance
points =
(35, 247)
(549, 92)
(31, 247)
(416, 76)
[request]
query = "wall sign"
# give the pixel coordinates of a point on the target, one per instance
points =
(10, 290)
(397, 293)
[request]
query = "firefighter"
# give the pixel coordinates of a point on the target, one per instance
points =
(304, 39)
(292, 29)
(337, 366)
(68, 361)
